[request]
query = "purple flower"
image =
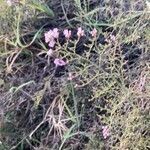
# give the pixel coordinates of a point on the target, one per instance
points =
(51, 43)
(94, 33)
(55, 33)
(48, 36)
(80, 32)
(67, 33)
(59, 62)
(105, 132)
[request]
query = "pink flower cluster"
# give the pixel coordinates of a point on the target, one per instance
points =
(52, 35)
(94, 33)
(80, 32)
(67, 34)
(105, 132)
(59, 62)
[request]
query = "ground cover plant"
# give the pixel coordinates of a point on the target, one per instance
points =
(74, 74)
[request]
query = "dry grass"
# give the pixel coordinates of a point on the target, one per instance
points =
(41, 109)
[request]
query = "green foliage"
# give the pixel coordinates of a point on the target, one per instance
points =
(110, 86)
(43, 8)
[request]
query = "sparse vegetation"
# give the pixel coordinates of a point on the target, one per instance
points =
(74, 75)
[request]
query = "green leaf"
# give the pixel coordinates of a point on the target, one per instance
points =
(42, 7)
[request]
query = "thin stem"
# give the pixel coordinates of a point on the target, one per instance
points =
(75, 104)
